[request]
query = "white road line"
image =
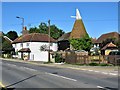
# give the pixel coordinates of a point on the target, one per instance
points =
(28, 68)
(105, 73)
(83, 69)
(60, 76)
(103, 88)
(100, 87)
(113, 74)
(96, 71)
(90, 70)
(11, 64)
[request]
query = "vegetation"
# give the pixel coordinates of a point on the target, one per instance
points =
(6, 47)
(58, 58)
(55, 32)
(12, 35)
(81, 43)
(94, 64)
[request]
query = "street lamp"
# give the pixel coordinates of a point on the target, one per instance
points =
(22, 32)
(22, 21)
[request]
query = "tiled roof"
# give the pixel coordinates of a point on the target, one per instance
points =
(34, 37)
(78, 30)
(109, 45)
(94, 40)
(64, 37)
(108, 35)
(24, 50)
(8, 39)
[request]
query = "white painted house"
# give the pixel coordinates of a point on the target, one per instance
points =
(34, 46)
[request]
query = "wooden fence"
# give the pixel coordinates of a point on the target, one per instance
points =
(78, 58)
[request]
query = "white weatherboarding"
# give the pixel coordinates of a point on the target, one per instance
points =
(78, 16)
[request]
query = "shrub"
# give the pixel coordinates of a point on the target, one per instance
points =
(93, 64)
(103, 64)
(58, 58)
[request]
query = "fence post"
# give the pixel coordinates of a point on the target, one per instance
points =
(99, 59)
(84, 59)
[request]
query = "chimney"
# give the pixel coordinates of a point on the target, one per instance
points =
(24, 28)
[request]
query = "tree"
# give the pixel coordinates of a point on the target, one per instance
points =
(43, 28)
(12, 35)
(84, 43)
(55, 32)
(6, 45)
(34, 30)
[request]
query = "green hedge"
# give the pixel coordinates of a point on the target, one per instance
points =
(58, 58)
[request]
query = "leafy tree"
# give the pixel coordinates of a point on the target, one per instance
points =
(6, 45)
(34, 30)
(81, 43)
(12, 35)
(43, 28)
(55, 32)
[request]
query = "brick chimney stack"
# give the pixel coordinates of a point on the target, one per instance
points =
(25, 31)
(25, 28)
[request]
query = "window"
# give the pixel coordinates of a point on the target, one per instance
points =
(27, 44)
(51, 44)
(21, 44)
(15, 45)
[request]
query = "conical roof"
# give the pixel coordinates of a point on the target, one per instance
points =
(78, 30)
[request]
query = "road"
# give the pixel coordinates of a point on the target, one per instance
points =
(23, 75)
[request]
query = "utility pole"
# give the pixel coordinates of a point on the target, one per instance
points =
(49, 41)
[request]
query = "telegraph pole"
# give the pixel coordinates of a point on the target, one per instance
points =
(49, 41)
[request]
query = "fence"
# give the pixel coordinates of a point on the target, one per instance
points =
(80, 58)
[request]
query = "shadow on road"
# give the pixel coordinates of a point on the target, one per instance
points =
(7, 87)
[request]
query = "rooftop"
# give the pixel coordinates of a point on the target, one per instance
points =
(108, 35)
(34, 37)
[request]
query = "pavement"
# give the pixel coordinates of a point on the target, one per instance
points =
(108, 70)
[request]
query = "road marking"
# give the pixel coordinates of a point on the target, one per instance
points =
(83, 69)
(104, 73)
(61, 76)
(96, 71)
(90, 70)
(2, 85)
(113, 74)
(100, 87)
(11, 64)
(103, 88)
(28, 68)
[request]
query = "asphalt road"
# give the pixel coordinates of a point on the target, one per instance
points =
(22, 75)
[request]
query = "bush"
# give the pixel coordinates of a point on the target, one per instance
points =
(58, 58)
(93, 64)
(103, 64)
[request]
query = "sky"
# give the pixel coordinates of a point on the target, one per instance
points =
(98, 17)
